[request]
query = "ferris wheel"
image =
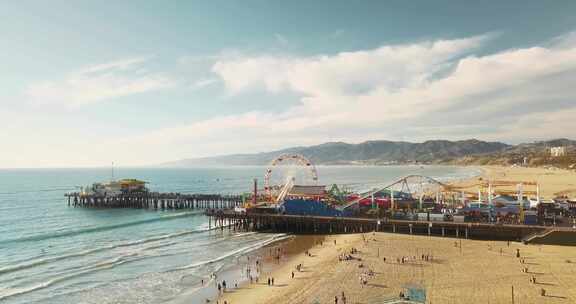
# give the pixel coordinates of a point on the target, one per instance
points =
(289, 169)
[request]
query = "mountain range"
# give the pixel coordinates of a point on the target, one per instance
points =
(383, 152)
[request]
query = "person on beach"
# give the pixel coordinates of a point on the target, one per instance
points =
(335, 299)
(219, 288)
(343, 298)
(292, 274)
(272, 281)
(268, 281)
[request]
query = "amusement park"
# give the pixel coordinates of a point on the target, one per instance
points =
(293, 199)
(291, 187)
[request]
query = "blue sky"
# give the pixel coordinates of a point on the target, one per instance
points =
(85, 83)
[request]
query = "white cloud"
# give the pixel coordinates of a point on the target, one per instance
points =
(431, 89)
(98, 83)
(395, 66)
(115, 65)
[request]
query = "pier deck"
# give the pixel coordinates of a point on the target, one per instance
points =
(298, 224)
(154, 200)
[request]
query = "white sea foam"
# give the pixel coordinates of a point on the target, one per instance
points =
(234, 252)
(84, 253)
(106, 264)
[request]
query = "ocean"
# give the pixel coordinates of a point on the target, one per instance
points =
(52, 253)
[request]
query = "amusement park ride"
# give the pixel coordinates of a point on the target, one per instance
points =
(284, 172)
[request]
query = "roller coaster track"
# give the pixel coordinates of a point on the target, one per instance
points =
(404, 180)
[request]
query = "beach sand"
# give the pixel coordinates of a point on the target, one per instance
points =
(473, 272)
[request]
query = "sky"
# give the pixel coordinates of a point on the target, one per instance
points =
(87, 83)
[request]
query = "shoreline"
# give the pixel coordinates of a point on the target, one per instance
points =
(235, 273)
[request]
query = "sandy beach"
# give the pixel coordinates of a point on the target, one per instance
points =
(478, 272)
(449, 270)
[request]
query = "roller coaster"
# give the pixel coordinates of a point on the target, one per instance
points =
(425, 185)
(410, 184)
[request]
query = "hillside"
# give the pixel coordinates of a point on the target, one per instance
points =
(379, 152)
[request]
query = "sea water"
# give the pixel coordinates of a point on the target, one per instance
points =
(52, 253)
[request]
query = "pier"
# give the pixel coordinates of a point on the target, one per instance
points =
(154, 200)
(296, 224)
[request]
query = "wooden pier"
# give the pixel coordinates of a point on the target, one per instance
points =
(154, 200)
(297, 224)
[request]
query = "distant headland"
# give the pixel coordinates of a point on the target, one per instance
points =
(559, 153)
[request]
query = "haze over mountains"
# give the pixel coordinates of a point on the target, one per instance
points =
(382, 152)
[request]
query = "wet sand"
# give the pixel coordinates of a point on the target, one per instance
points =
(269, 257)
